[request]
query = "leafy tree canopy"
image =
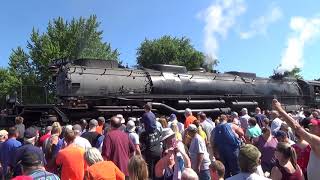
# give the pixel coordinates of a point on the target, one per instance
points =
(8, 82)
(78, 38)
(169, 50)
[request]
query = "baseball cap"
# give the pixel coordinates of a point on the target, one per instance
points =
(314, 122)
(30, 132)
(192, 127)
(30, 159)
(233, 113)
(280, 133)
(172, 117)
(249, 154)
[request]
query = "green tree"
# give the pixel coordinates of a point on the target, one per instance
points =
(169, 50)
(295, 72)
(8, 83)
(79, 38)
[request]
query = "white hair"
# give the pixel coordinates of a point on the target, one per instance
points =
(92, 156)
(189, 174)
(68, 127)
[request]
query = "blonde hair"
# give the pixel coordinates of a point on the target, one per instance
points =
(138, 168)
(56, 128)
(174, 127)
(92, 156)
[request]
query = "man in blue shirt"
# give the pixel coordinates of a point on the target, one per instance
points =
(7, 151)
(148, 119)
(30, 138)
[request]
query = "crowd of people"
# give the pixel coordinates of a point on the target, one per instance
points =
(265, 145)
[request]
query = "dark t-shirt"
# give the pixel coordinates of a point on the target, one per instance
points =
(118, 148)
(92, 137)
(150, 142)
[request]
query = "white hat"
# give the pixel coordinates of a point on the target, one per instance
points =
(121, 118)
(130, 126)
(166, 132)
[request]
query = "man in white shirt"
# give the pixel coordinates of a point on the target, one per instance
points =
(276, 122)
(244, 118)
(80, 141)
(199, 155)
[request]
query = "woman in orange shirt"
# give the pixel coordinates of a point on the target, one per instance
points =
(100, 169)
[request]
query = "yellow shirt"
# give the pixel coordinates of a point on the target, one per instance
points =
(178, 136)
(202, 134)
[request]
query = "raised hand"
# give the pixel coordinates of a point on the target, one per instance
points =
(276, 105)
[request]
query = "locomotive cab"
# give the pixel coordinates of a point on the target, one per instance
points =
(313, 93)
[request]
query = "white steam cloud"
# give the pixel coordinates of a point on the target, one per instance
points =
(261, 24)
(304, 30)
(219, 18)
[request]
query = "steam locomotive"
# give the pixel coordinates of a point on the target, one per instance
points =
(91, 87)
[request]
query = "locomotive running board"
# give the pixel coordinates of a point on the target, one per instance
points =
(167, 108)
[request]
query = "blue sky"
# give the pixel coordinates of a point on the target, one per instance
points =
(252, 36)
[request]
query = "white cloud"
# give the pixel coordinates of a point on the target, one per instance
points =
(304, 31)
(219, 17)
(261, 24)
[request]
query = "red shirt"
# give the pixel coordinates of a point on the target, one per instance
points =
(118, 148)
(302, 156)
(44, 138)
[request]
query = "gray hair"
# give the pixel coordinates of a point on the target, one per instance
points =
(48, 129)
(189, 174)
(188, 111)
(93, 123)
(244, 110)
(92, 156)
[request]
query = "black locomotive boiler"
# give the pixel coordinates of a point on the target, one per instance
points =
(89, 87)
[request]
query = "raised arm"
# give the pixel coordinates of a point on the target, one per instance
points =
(312, 139)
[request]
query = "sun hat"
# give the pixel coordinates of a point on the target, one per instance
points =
(166, 133)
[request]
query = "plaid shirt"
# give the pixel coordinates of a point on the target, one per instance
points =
(43, 175)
